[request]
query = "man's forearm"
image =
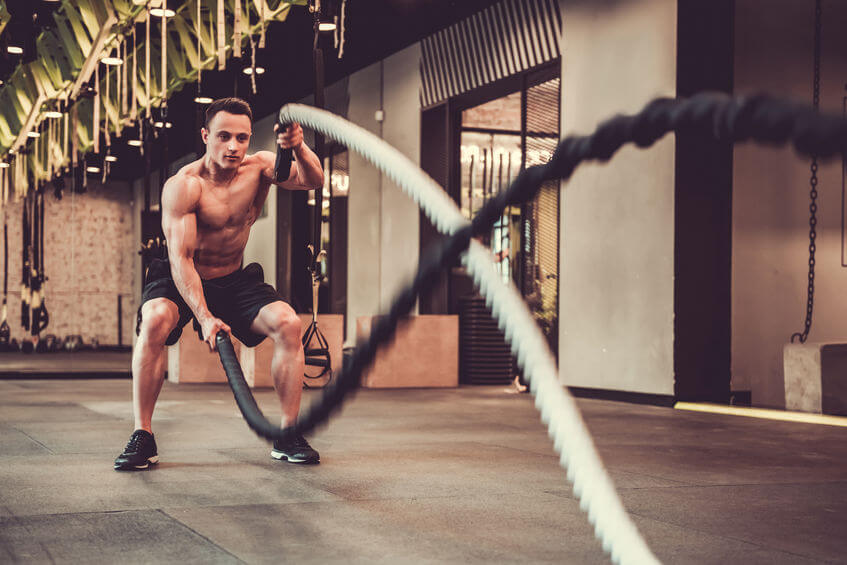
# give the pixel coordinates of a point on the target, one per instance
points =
(309, 167)
(190, 287)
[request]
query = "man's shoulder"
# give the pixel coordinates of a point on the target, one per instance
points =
(189, 171)
(186, 184)
(259, 158)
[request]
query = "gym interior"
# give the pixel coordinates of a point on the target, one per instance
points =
(687, 292)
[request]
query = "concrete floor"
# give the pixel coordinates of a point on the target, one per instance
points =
(422, 476)
(61, 364)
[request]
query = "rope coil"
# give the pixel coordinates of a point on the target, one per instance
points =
(760, 118)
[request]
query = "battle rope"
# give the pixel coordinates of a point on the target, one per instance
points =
(759, 118)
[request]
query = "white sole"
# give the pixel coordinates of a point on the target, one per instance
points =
(279, 456)
(150, 461)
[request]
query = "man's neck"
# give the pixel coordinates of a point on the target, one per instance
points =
(217, 174)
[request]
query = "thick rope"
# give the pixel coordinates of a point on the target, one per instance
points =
(711, 115)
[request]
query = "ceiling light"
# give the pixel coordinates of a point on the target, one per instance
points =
(4, 165)
(14, 50)
(53, 114)
(158, 12)
(168, 125)
(203, 100)
(134, 142)
(112, 61)
(111, 158)
(33, 134)
(249, 70)
(87, 91)
(158, 124)
(326, 26)
(92, 169)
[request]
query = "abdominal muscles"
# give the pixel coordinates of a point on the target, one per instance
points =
(219, 252)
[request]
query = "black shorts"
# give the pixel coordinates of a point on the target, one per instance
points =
(235, 298)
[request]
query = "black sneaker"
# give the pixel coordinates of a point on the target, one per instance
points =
(297, 450)
(139, 453)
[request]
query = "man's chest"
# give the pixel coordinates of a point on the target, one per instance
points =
(228, 206)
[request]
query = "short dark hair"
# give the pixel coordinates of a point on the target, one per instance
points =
(231, 105)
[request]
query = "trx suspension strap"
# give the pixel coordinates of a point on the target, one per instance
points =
(34, 283)
(5, 331)
(25, 264)
(315, 345)
(40, 317)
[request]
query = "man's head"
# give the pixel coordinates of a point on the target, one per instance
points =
(229, 124)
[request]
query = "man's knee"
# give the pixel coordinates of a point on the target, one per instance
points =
(285, 325)
(158, 319)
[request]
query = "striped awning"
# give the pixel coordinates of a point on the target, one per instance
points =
(502, 40)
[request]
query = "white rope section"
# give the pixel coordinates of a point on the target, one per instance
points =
(591, 483)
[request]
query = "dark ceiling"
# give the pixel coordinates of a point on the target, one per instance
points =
(374, 29)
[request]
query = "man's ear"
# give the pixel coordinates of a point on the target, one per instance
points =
(204, 135)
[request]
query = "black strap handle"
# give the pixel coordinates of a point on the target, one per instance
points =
(282, 167)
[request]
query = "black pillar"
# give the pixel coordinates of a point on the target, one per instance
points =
(703, 202)
(435, 161)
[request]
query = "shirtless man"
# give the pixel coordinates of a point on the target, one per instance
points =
(208, 208)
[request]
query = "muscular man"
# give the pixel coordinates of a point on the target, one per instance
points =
(208, 208)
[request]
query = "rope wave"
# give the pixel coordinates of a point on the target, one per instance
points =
(760, 118)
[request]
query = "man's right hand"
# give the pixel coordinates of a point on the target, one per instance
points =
(210, 327)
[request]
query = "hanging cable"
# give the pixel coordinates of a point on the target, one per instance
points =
(133, 112)
(236, 34)
(147, 88)
(264, 25)
(199, 49)
(95, 127)
(124, 83)
(164, 43)
(342, 23)
(221, 36)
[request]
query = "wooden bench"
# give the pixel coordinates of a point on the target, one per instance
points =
(816, 377)
(424, 353)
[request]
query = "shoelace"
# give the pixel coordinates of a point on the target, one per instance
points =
(300, 441)
(134, 443)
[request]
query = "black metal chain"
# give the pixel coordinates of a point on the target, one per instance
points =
(813, 181)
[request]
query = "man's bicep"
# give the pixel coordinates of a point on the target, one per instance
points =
(268, 160)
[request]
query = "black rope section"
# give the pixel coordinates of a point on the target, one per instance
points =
(759, 118)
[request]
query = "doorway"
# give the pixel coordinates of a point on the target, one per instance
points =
(475, 145)
(498, 138)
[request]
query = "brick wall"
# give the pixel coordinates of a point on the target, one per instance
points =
(90, 259)
(502, 113)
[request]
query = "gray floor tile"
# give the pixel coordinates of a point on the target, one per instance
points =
(116, 537)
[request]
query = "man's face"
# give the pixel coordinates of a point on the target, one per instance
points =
(227, 139)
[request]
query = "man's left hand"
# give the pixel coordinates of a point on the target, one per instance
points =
(291, 137)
